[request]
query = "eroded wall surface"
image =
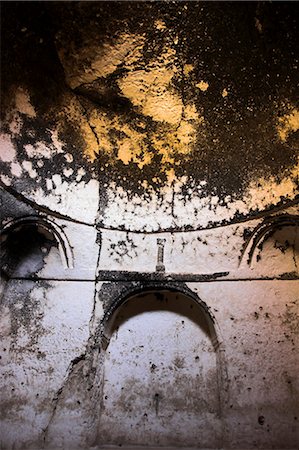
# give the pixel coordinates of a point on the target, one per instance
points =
(149, 266)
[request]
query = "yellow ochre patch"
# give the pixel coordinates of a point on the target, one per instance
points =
(288, 124)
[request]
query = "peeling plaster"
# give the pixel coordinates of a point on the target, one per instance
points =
(104, 60)
(138, 123)
(288, 124)
(8, 152)
(203, 86)
(160, 25)
(132, 214)
(23, 104)
(64, 198)
(149, 89)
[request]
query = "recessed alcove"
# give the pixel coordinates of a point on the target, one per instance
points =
(25, 248)
(161, 374)
(279, 250)
(29, 244)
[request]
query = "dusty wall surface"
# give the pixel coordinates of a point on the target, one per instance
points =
(149, 243)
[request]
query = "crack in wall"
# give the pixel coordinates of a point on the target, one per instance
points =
(57, 398)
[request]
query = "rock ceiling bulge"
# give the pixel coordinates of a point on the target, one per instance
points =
(153, 115)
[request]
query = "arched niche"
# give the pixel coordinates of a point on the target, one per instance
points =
(162, 373)
(27, 241)
(273, 248)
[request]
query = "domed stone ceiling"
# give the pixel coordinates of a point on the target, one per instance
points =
(151, 116)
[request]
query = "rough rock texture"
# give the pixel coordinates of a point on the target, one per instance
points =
(141, 107)
(149, 243)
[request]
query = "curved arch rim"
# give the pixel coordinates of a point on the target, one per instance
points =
(136, 288)
(64, 246)
(262, 232)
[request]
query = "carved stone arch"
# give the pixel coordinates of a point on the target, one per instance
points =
(120, 294)
(85, 381)
(47, 225)
(263, 232)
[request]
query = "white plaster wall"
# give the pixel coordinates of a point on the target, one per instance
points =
(256, 323)
(161, 376)
(43, 327)
(46, 324)
(207, 251)
(259, 327)
(82, 240)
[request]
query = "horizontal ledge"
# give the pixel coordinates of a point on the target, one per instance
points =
(122, 276)
(115, 275)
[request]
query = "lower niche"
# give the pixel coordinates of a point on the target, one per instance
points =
(160, 383)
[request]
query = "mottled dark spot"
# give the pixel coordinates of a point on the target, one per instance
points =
(261, 420)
